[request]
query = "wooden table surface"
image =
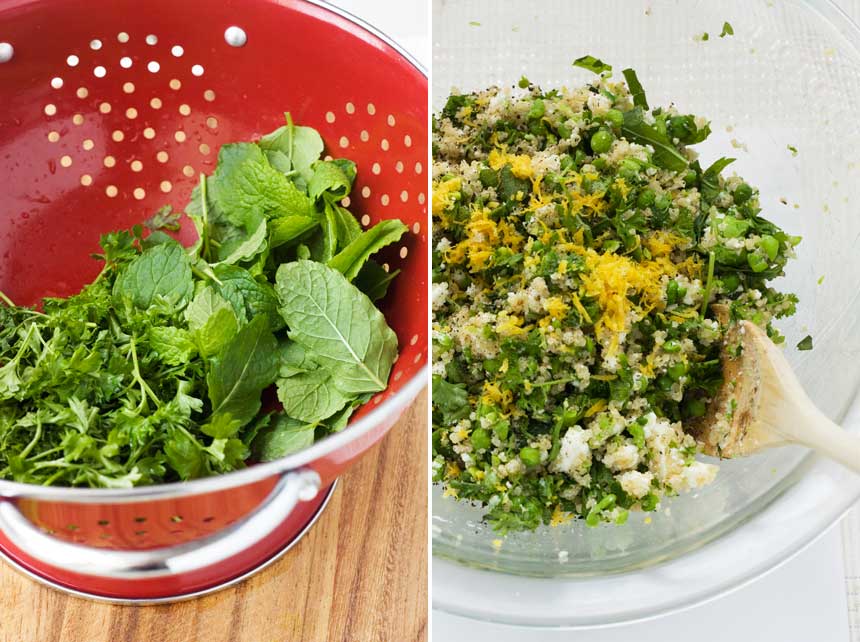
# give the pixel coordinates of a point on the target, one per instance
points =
(359, 575)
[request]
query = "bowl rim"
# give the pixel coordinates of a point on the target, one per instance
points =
(818, 495)
(393, 405)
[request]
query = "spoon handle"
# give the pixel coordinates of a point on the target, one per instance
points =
(814, 430)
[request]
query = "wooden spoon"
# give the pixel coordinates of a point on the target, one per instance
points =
(761, 404)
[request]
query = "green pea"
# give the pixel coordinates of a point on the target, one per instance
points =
(743, 193)
(537, 111)
(677, 370)
(690, 178)
(579, 157)
(567, 162)
(615, 117)
(564, 131)
(646, 198)
(730, 282)
(530, 456)
(601, 141)
(480, 439)
(501, 429)
(770, 246)
(757, 262)
(444, 341)
(733, 227)
(599, 164)
(569, 417)
(629, 168)
(695, 407)
(662, 202)
(672, 346)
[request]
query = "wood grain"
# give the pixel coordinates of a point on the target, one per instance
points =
(359, 575)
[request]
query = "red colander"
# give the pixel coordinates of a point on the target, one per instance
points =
(110, 109)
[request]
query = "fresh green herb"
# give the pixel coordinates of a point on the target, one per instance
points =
(792, 149)
(728, 30)
(155, 371)
(636, 90)
(805, 343)
(592, 64)
(666, 155)
(474, 23)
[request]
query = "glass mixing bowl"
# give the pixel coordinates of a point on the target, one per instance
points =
(790, 76)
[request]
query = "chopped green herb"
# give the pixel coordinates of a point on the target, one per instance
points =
(805, 343)
(792, 149)
(592, 64)
(636, 90)
(474, 23)
(728, 30)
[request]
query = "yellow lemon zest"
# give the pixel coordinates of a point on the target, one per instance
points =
(521, 164)
(598, 406)
(444, 193)
(559, 517)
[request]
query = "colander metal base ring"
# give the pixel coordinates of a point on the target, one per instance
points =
(24, 570)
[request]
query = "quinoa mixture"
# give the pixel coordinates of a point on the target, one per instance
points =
(578, 247)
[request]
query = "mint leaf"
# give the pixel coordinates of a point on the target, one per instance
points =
(249, 297)
(174, 346)
(373, 280)
(338, 324)
(333, 178)
(249, 247)
(351, 259)
(311, 396)
(242, 370)
(805, 343)
(293, 148)
(283, 437)
(245, 184)
(285, 229)
(162, 271)
(346, 228)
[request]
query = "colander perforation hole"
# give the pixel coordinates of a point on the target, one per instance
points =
(422, 198)
(99, 72)
(56, 82)
(126, 62)
(404, 251)
(82, 92)
(398, 167)
(419, 168)
(177, 51)
(140, 533)
(139, 520)
(416, 228)
(384, 199)
(197, 70)
(404, 196)
(153, 66)
(122, 37)
(72, 61)
(104, 522)
(176, 519)
(346, 202)
(365, 220)
(95, 45)
(206, 520)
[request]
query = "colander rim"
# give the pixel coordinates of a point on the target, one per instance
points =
(257, 472)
